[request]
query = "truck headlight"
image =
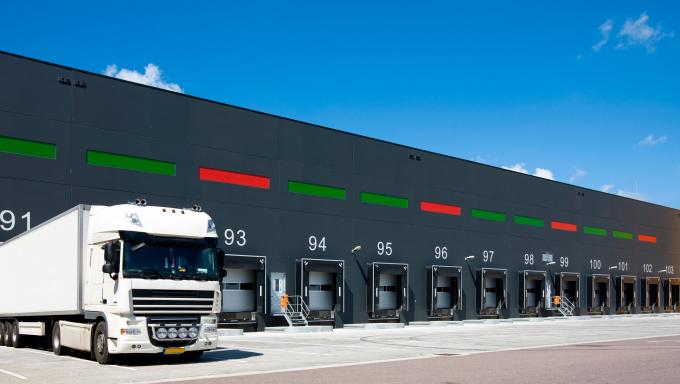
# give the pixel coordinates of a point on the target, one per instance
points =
(182, 333)
(161, 333)
(193, 332)
(172, 333)
(211, 227)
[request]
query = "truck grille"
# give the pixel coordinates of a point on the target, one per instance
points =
(172, 302)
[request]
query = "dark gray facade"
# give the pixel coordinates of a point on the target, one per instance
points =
(79, 112)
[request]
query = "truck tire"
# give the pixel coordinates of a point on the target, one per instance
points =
(2, 333)
(17, 339)
(57, 348)
(191, 356)
(8, 328)
(100, 344)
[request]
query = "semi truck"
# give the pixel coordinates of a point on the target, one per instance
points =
(114, 280)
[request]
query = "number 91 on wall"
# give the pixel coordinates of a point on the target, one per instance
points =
(10, 221)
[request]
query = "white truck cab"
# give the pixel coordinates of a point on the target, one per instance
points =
(121, 279)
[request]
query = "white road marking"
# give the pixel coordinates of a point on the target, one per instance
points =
(75, 359)
(567, 344)
(222, 376)
(18, 376)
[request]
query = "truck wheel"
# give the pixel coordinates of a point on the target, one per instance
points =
(17, 339)
(100, 344)
(191, 356)
(2, 333)
(8, 328)
(57, 348)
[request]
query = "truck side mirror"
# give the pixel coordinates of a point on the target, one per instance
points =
(220, 263)
(111, 255)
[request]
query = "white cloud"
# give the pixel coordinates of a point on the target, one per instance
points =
(605, 30)
(578, 172)
(638, 32)
(606, 187)
(544, 173)
(152, 76)
(519, 167)
(652, 140)
(540, 172)
(632, 194)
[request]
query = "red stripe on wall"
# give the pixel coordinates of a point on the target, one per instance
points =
(237, 178)
(561, 226)
(647, 238)
(446, 209)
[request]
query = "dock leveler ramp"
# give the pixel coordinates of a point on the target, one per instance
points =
(388, 290)
(444, 294)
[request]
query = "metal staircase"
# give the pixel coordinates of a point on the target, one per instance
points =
(296, 312)
(566, 307)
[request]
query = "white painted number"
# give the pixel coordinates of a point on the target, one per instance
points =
(8, 220)
(237, 237)
(315, 244)
(384, 248)
(564, 261)
(623, 266)
(647, 268)
(595, 264)
(441, 252)
(487, 255)
(670, 270)
(529, 259)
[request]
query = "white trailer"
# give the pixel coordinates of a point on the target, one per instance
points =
(124, 279)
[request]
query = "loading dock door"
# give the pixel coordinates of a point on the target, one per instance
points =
(650, 294)
(672, 294)
(532, 291)
(598, 299)
(491, 291)
(388, 291)
(243, 288)
(321, 284)
(626, 296)
(444, 290)
(238, 290)
(568, 286)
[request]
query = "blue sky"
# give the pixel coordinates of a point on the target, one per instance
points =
(587, 91)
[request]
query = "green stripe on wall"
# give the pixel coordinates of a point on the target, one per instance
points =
(316, 190)
(594, 231)
(488, 215)
(531, 221)
(27, 148)
(391, 201)
(622, 235)
(131, 163)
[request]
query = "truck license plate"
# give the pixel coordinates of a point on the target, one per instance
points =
(174, 351)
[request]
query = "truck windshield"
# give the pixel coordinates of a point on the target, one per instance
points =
(155, 257)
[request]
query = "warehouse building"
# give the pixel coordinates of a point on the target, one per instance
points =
(358, 229)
